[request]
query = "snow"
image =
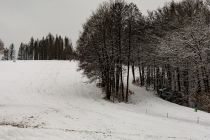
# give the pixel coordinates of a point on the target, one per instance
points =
(42, 100)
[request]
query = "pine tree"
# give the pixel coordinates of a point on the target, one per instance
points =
(21, 52)
(6, 54)
(1, 45)
(12, 52)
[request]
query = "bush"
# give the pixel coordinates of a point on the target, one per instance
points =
(202, 101)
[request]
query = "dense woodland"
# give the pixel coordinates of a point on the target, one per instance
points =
(167, 51)
(48, 48)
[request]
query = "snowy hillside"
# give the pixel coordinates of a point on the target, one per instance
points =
(51, 100)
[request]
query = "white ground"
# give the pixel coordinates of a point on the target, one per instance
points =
(51, 100)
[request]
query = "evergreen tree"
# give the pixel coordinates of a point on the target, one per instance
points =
(1, 45)
(6, 54)
(12, 52)
(21, 52)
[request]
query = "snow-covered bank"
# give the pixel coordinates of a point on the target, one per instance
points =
(42, 100)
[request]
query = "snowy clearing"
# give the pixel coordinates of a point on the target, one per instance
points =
(42, 100)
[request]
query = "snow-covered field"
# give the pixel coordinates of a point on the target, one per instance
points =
(51, 100)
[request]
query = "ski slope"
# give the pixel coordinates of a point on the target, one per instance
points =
(51, 100)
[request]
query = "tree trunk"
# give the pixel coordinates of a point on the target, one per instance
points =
(133, 72)
(128, 72)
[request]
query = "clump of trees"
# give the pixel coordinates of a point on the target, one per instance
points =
(108, 42)
(187, 52)
(183, 53)
(167, 51)
(48, 48)
(8, 54)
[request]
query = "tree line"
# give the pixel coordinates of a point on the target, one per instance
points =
(48, 48)
(167, 51)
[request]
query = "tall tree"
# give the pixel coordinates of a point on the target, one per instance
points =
(12, 52)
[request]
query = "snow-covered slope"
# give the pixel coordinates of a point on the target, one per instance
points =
(51, 100)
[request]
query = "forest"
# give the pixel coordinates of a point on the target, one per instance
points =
(48, 48)
(166, 51)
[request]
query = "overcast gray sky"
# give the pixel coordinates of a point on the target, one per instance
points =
(22, 19)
